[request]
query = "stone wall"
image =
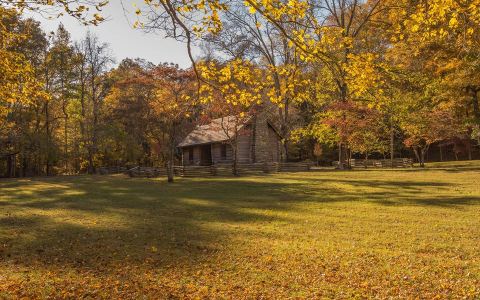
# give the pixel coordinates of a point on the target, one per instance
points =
(267, 142)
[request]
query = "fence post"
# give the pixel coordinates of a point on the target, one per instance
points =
(213, 170)
(265, 167)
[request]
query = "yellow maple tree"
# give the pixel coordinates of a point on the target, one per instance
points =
(17, 78)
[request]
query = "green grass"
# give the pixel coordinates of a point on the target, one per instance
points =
(354, 234)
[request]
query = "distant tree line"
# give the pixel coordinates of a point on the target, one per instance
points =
(78, 112)
(346, 79)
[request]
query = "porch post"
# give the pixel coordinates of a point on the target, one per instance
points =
(182, 157)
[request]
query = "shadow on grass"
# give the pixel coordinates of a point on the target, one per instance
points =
(104, 222)
(453, 202)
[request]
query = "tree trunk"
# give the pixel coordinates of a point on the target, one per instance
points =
(90, 162)
(65, 141)
(14, 165)
(284, 115)
(475, 102)
(234, 164)
(94, 144)
(95, 112)
(83, 110)
(65, 128)
(417, 155)
(286, 131)
(441, 152)
(24, 164)
(423, 151)
(10, 166)
(468, 145)
(47, 128)
(349, 158)
(340, 156)
(170, 171)
(392, 143)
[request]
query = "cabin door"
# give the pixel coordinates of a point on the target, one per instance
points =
(206, 155)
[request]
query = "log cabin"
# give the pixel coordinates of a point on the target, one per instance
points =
(257, 138)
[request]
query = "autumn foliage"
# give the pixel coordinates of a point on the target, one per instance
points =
(359, 76)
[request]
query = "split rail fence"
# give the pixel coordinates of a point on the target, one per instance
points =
(380, 163)
(221, 170)
(249, 169)
(111, 170)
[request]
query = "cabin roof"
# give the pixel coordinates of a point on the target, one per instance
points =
(213, 132)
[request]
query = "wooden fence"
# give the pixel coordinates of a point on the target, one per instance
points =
(111, 170)
(380, 163)
(149, 172)
(221, 170)
(249, 169)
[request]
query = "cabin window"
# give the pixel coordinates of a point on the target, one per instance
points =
(223, 151)
(190, 154)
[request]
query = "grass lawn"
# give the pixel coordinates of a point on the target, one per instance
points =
(351, 234)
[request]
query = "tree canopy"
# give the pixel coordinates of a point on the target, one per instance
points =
(359, 77)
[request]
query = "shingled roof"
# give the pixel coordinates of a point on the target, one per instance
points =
(210, 133)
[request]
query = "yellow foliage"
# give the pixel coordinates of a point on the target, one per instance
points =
(17, 79)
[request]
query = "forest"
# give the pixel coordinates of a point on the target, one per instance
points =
(346, 78)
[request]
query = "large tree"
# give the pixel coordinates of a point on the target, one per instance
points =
(96, 60)
(174, 107)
